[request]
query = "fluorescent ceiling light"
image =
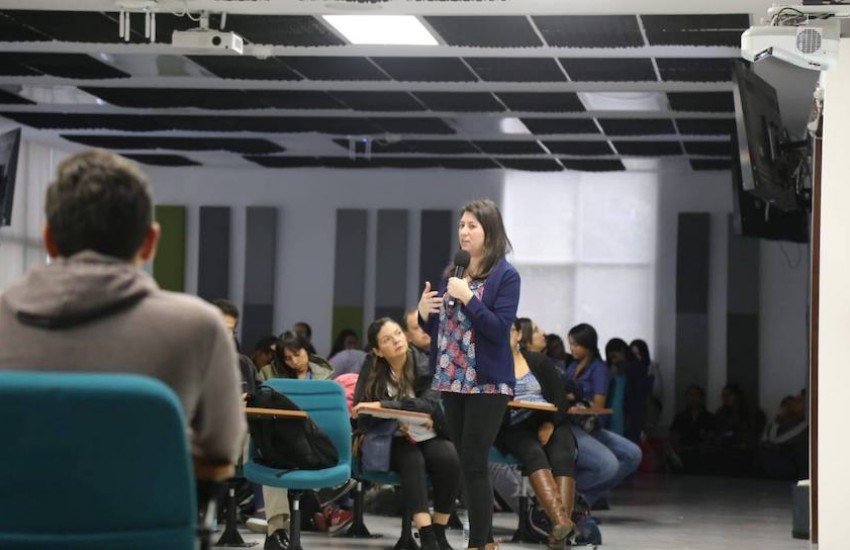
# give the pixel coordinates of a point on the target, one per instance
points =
(382, 29)
(511, 125)
(624, 101)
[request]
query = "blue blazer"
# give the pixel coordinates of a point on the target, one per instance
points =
(492, 317)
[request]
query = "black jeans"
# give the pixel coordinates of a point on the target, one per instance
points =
(473, 421)
(436, 456)
(559, 454)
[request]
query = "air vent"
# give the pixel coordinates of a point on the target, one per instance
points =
(809, 40)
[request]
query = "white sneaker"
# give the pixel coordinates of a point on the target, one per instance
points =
(257, 525)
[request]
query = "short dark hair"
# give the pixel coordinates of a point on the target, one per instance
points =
(525, 326)
(100, 201)
(308, 330)
(227, 307)
(266, 343)
(407, 313)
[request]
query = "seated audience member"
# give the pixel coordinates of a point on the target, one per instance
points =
(605, 459)
(348, 361)
(655, 399)
(247, 371)
(395, 380)
(692, 433)
(93, 309)
(542, 441)
(420, 341)
(346, 339)
(305, 331)
(534, 340)
(739, 428)
(292, 359)
(557, 352)
(784, 449)
(632, 374)
(263, 353)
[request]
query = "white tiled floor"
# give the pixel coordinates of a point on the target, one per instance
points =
(649, 513)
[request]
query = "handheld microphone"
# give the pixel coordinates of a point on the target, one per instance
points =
(461, 263)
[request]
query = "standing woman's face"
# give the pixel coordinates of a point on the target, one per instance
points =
(577, 351)
(470, 235)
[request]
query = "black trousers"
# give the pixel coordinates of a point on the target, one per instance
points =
(558, 454)
(439, 459)
(473, 421)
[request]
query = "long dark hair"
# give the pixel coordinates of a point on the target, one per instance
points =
(380, 376)
(619, 345)
(525, 326)
(496, 242)
(585, 336)
(643, 350)
(294, 343)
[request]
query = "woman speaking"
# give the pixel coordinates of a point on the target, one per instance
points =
(469, 319)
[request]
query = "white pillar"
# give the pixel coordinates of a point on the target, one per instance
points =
(834, 319)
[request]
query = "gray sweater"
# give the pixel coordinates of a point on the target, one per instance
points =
(94, 313)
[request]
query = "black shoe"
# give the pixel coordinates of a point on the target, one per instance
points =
(279, 540)
(440, 535)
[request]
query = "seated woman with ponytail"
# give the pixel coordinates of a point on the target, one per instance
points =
(542, 441)
(393, 379)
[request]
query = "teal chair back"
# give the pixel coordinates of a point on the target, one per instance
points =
(93, 461)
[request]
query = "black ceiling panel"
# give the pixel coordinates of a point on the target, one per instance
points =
(703, 102)
(9, 66)
(163, 160)
(708, 148)
(379, 101)
(8, 98)
(709, 69)
(609, 70)
(469, 164)
(283, 30)
(695, 30)
(541, 126)
(245, 67)
(12, 31)
(407, 162)
(705, 126)
(284, 162)
(235, 145)
(637, 126)
(593, 165)
(72, 26)
(590, 31)
(335, 68)
(413, 125)
(294, 99)
(328, 125)
(579, 148)
(555, 102)
(531, 165)
(496, 31)
(426, 69)
(510, 147)
(516, 69)
(466, 102)
(72, 65)
(648, 148)
(711, 164)
(442, 147)
(172, 97)
(85, 121)
(202, 123)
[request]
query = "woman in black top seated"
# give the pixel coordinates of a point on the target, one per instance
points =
(542, 441)
(393, 379)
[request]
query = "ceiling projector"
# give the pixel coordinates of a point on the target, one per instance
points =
(812, 45)
(206, 39)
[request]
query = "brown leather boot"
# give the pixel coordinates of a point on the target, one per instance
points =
(567, 489)
(549, 496)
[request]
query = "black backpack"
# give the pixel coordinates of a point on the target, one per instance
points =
(284, 443)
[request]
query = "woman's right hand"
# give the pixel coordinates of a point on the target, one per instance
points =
(429, 302)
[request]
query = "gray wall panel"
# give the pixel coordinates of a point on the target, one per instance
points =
(260, 260)
(436, 239)
(742, 318)
(350, 257)
(214, 252)
(391, 261)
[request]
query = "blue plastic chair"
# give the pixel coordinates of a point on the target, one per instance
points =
(405, 540)
(324, 401)
(93, 461)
